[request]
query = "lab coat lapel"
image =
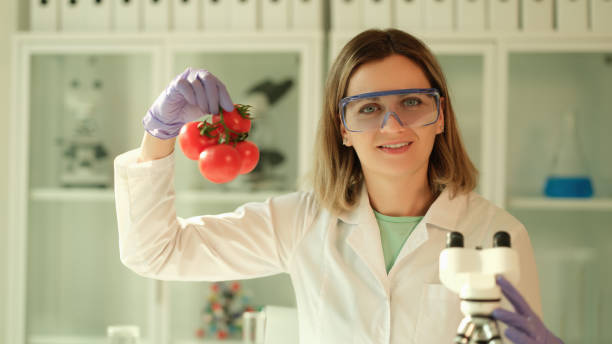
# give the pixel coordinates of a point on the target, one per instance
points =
(364, 237)
(443, 214)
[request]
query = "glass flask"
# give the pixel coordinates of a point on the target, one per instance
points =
(568, 176)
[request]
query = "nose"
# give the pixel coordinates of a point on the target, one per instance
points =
(391, 122)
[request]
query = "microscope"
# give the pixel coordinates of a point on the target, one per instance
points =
(470, 273)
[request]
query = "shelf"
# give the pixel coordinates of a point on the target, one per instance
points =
(42, 339)
(292, 33)
(168, 34)
(108, 195)
(517, 36)
(543, 203)
(208, 341)
(224, 38)
(72, 194)
(103, 340)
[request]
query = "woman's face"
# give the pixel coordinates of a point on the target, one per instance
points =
(392, 73)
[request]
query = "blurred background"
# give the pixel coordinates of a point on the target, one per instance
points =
(529, 80)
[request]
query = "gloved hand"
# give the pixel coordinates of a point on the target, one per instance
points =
(524, 327)
(185, 101)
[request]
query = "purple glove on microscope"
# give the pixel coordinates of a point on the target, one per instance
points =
(185, 101)
(524, 327)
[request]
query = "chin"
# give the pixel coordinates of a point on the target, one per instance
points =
(399, 170)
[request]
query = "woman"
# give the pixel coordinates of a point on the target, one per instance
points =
(388, 151)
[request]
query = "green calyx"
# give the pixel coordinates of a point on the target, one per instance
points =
(244, 111)
(230, 136)
(206, 129)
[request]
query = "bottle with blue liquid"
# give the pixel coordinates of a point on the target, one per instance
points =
(569, 176)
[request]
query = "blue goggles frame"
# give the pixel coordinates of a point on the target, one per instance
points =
(433, 91)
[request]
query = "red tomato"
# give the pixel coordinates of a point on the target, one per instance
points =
(249, 156)
(192, 142)
(234, 120)
(222, 334)
(220, 163)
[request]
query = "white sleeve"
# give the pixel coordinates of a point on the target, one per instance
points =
(528, 285)
(257, 239)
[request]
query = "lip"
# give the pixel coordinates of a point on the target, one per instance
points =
(399, 150)
(393, 143)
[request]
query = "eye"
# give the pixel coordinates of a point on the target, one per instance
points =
(369, 108)
(412, 101)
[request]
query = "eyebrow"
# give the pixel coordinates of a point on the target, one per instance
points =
(367, 99)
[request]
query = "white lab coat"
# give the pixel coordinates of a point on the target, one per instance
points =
(336, 263)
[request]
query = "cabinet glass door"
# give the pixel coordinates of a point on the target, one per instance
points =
(83, 111)
(559, 120)
(465, 78)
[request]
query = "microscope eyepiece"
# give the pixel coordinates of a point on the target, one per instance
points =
(501, 239)
(454, 239)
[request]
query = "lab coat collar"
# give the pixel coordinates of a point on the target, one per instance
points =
(443, 213)
(364, 237)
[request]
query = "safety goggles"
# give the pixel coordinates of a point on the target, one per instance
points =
(412, 108)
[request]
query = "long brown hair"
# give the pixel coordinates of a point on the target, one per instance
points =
(337, 176)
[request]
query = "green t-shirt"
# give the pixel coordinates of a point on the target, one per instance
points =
(393, 233)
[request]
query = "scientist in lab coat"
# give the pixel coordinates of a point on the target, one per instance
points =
(362, 247)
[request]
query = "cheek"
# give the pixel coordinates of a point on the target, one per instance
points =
(362, 143)
(427, 140)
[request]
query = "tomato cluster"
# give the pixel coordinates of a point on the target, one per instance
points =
(219, 144)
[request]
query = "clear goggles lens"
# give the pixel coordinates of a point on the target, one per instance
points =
(373, 111)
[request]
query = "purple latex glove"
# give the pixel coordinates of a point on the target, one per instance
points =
(524, 327)
(185, 101)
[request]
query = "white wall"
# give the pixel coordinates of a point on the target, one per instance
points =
(8, 16)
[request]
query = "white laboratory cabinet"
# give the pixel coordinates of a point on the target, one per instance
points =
(66, 282)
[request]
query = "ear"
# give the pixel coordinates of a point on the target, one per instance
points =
(346, 138)
(440, 123)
